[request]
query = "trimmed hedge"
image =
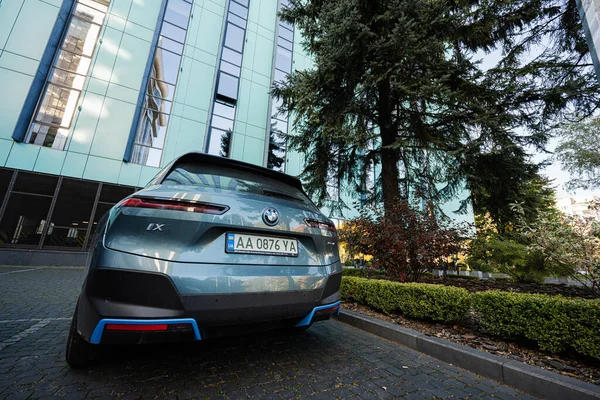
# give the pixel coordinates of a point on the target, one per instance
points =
(555, 323)
(354, 272)
(415, 300)
(451, 276)
(361, 272)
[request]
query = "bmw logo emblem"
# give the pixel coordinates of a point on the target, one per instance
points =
(271, 217)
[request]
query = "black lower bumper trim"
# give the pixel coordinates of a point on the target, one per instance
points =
(240, 308)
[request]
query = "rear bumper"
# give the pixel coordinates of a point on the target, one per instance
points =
(119, 296)
(109, 330)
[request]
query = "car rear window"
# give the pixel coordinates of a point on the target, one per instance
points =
(201, 175)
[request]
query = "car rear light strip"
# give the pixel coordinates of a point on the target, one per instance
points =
(313, 223)
(329, 310)
(135, 327)
(148, 327)
(178, 205)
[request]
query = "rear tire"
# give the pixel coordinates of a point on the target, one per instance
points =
(79, 352)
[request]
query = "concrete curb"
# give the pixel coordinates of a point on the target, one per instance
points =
(533, 380)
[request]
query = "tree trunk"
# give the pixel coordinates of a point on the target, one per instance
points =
(389, 157)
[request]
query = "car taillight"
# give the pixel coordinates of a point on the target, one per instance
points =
(313, 223)
(144, 327)
(178, 205)
(136, 327)
(330, 310)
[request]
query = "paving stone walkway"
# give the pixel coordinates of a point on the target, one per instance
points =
(331, 360)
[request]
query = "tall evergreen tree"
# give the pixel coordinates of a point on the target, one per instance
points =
(395, 83)
(579, 153)
(498, 180)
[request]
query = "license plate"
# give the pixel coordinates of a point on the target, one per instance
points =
(255, 244)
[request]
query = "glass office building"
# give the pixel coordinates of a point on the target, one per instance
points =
(589, 10)
(100, 94)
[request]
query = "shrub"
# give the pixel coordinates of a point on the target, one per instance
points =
(348, 263)
(555, 323)
(403, 239)
(570, 244)
(479, 265)
(361, 272)
(354, 272)
(414, 300)
(461, 277)
(515, 259)
(513, 254)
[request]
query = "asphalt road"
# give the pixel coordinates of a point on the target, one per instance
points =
(330, 360)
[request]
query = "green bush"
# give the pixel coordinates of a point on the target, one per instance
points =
(361, 272)
(512, 255)
(348, 263)
(555, 323)
(479, 265)
(414, 300)
(461, 277)
(354, 272)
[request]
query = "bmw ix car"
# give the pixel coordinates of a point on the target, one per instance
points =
(210, 247)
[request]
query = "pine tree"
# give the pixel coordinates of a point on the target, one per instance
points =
(579, 153)
(396, 84)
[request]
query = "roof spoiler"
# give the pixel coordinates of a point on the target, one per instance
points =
(196, 157)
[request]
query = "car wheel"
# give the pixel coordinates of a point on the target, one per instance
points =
(79, 352)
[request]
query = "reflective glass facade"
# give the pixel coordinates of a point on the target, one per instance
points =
(152, 128)
(589, 10)
(220, 130)
(131, 85)
(52, 121)
(277, 146)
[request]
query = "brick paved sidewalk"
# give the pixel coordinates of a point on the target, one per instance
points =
(330, 360)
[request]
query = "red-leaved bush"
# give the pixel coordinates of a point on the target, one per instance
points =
(404, 241)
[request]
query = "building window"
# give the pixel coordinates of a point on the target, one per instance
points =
(71, 215)
(26, 212)
(46, 211)
(149, 140)
(55, 111)
(276, 154)
(5, 178)
(228, 80)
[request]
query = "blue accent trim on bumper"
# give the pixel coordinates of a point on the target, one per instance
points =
(97, 334)
(307, 320)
